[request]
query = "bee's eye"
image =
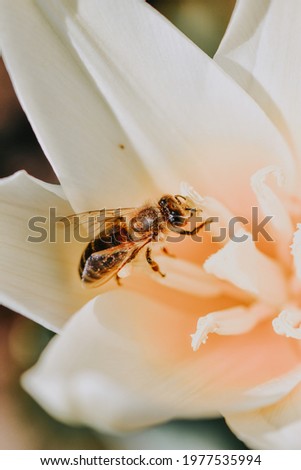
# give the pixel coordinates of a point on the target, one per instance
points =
(163, 202)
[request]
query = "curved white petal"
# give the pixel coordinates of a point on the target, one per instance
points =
(242, 264)
(178, 435)
(125, 361)
(183, 115)
(259, 51)
(270, 391)
(280, 226)
(37, 279)
(275, 427)
(91, 154)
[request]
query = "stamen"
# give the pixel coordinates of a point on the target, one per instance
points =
(232, 321)
(187, 277)
(296, 251)
(288, 323)
(192, 279)
(210, 207)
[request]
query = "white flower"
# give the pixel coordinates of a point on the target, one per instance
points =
(125, 108)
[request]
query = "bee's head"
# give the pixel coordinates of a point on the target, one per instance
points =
(175, 209)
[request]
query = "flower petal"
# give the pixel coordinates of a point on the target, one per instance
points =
(275, 427)
(91, 154)
(280, 227)
(259, 52)
(183, 115)
(213, 434)
(125, 361)
(38, 279)
(241, 263)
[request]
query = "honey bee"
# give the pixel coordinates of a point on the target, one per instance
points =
(122, 233)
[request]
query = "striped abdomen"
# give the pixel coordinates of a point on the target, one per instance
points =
(116, 237)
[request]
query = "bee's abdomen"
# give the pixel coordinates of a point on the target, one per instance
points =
(93, 247)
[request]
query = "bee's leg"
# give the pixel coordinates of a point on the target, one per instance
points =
(167, 252)
(196, 229)
(118, 280)
(155, 267)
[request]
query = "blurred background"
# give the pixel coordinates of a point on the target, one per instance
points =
(23, 424)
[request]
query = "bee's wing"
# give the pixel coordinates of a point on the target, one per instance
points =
(101, 266)
(96, 222)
